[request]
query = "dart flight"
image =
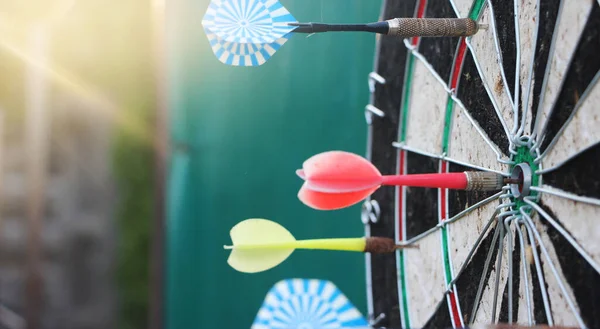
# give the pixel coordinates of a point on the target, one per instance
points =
(260, 244)
(310, 303)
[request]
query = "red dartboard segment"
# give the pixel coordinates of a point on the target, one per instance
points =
(460, 58)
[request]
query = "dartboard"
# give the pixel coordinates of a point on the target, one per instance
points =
(521, 98)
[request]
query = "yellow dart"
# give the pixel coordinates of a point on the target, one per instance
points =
(260, 244)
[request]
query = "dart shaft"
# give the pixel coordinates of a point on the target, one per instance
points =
(450, 180)
(470, 180)
(400, 27)
(378, 27)
(343, 244)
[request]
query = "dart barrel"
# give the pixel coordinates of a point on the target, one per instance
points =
(432, 27)
(483, 181)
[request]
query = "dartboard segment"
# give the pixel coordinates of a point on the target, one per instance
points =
(565, 310)
(525, 305)
(578, 219)
(582, 279)
(576, 38)
(424, 273)
(465, 232)
(546, 19)
(491, 297)
(580, 130)
(477, 98)
(577, 176)
(506, 42)
(511, 294)
(470, 213)
(429, 97)
(527, 30)
(468, 146)
(421, 203)
(467, 282)
(487, 58)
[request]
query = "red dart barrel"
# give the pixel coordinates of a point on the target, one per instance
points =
(450, 180)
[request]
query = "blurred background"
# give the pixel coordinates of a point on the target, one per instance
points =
(127, 152)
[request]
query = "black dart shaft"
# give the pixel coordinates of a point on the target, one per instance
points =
(379, 27)
(400, 27)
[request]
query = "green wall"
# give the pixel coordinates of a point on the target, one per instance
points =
(238, 135)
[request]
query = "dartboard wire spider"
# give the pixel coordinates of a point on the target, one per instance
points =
(413, 50)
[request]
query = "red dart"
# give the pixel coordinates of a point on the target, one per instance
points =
(338, 179)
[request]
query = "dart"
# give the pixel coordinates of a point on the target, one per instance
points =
(249, 32)
(261, 244)
(338, 179)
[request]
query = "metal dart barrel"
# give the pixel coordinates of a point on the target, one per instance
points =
(432, 27)
(484, 181)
